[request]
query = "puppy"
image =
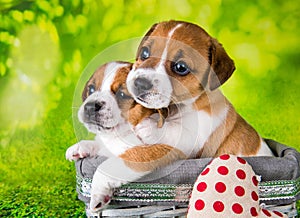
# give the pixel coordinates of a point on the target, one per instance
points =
(110, 112)
(179, 66)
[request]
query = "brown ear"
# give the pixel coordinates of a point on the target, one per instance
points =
(163, 114)
(222, 66)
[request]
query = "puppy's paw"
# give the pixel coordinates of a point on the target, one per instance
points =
(102, 190)
(99, 201)
(148, 131)
(82, 149)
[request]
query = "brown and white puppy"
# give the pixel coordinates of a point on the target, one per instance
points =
(179, 65)
(110, 112)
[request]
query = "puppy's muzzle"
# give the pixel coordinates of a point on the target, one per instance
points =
(92, 108)
(150, 87)
(142, 84)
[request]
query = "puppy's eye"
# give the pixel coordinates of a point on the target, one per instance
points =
(145, 53)
(122, 95)
(91, 89)
(181, 68)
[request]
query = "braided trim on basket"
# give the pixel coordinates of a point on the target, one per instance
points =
(283, 189)
(147, 192)
(153, 192)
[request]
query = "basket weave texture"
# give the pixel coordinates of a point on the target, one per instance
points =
(165, 192)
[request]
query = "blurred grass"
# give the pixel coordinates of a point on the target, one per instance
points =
(45, 46)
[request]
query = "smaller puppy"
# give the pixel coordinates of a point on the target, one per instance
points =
(180, 66)
(111, 113)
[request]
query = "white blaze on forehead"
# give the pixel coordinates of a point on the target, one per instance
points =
(165, 52)
(161, 92)
(110, 73)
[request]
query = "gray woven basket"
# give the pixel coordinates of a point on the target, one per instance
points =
(168, 196)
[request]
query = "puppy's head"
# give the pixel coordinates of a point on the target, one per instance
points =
(107, 102)
(176, 61)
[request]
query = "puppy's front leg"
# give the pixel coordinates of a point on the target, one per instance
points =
(130, 166)
(111, 174)
(82, 149)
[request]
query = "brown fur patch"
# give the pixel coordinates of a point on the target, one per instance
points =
(211, 102)
(96, 80)
(120, 78)
(137, 113)
(203, 103)
(233, 136)
(148, 158)
(163, 114)
(243, 140)
(222, 66)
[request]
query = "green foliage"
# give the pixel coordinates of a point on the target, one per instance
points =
(40, 200)
(45, 45)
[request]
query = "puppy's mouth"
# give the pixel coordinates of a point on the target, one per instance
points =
(98, 125)
(152, 99)
(99, 121)
(146, 97)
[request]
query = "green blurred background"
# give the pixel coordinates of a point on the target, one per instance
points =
(45, 46)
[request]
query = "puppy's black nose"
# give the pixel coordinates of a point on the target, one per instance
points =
(91, 108)
(143, 84)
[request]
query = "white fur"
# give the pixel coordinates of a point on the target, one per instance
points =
(110, 174)
(82, 149)
(120, 139)
(164, 55)
(159, 96)
(110, 111)
(187, 130)
(109, 74)
(264, 149)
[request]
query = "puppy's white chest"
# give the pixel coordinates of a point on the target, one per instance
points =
(189, 131)
(119, 140)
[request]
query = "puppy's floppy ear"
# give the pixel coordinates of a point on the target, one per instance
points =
(151, 29)
(163, 114)
(222, 66)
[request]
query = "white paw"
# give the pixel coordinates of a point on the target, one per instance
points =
(99, 201)
(148, 131)
(102, 190)
(82, 149)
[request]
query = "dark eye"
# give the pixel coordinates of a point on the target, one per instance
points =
(145, 53)
(181, 68)
(122, 95)
(91, 89)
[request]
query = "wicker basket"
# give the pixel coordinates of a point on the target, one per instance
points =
(168, 196)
